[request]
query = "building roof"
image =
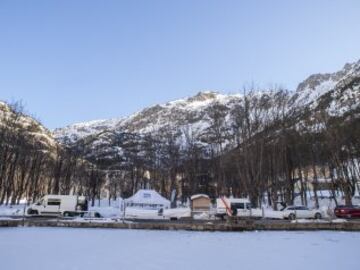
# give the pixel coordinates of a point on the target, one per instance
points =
(196, 196)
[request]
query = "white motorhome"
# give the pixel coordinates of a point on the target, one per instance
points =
(233, 207)
(66, 205)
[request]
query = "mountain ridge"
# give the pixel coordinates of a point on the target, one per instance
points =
(196, 118)
(192, 110)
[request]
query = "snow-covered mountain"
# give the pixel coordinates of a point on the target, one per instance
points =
(193, 112)
(311, 91)
(336, 93)
(33, 130)
(189, 111)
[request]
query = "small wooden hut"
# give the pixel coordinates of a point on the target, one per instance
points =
(200, 203)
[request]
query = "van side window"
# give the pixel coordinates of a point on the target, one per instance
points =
(54, 202)
(238, 205)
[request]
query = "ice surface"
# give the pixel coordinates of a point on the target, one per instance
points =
(108, 249)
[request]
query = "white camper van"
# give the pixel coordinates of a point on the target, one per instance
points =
(53, 205)
(233, 207)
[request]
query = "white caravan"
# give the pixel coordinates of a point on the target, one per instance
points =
(66, 205)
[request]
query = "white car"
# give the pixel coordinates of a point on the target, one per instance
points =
(297, 212)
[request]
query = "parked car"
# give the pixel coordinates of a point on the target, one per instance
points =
(347, 211)
(294, 212)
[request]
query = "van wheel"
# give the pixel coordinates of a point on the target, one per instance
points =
(32, 212)
(318, 216)
(292, 217)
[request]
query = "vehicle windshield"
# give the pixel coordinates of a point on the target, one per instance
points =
(40, 202)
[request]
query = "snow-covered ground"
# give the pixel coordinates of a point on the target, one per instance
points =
(12, 210)
(72, 249)
(114, 209)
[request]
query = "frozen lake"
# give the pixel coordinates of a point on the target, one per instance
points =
(105, 249)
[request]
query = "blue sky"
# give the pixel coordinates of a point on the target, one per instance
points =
(73, 61)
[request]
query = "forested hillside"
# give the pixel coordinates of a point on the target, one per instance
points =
(32, 163)
(270, 142)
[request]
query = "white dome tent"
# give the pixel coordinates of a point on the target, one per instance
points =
(147, 199)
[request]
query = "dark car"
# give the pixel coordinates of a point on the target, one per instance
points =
(347, 211)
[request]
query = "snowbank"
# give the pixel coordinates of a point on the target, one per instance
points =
(13, 210)
(318, 221)
(91, 220)
(107, 212)
(136, 213)
(201, 216)
(177, 213)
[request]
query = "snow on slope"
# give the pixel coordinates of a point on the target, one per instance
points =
(317, 85)
(80, 130)
(32, 127)
(193, 114)
(190, 113)
(144, 121)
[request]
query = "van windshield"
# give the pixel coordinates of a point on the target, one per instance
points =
(40, 202)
